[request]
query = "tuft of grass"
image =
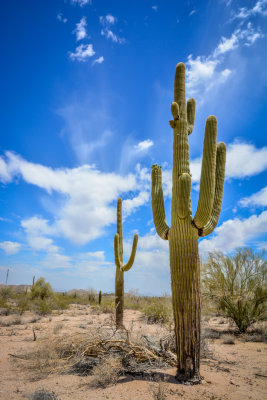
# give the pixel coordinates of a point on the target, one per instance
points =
(57, 328)
(107, 372)
(43, 394)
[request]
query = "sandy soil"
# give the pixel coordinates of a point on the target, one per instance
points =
(236, 371)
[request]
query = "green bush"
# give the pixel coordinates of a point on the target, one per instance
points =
(158, 312)
(237, 286)
(41, 289)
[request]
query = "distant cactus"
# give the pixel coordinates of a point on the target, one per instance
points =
(99, 297)
(120, 268)
(184, 231)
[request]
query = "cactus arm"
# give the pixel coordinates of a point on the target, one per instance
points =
(129, 264)
(217, 204)
(184, 190)
(191, 110)
(179, 89)
(117, 251)
(158, 208)
(207, 181)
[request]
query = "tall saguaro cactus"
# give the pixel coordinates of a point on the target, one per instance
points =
(185, 231)
(120, 268)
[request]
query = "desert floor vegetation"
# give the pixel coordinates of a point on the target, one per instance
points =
(79, 351)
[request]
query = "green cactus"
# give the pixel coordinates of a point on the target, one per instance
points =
(120, 268)
(184, 231)
(99, 297)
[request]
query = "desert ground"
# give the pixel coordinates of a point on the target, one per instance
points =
(233, 366)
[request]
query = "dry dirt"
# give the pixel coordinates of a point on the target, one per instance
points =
(234, 372)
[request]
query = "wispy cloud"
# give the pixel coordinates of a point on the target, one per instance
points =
(82, 52)
(107, 21)
(204, 72)
(81, 3)
(98, 60)
(80, 29)
(260, 8)
(192, 12)
(155, 8)
(61, 18)
(10, 247)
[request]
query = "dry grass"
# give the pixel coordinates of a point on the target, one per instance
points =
(107, 372)
(57, 328)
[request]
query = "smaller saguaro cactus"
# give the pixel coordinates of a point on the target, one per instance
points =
(120, 268)
(99, 297)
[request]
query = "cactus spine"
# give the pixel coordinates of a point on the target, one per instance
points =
(184, 231)
(120, 268)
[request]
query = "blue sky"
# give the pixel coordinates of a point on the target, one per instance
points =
(86, 88)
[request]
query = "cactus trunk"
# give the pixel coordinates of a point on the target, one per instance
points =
(120, 268)
(185, 231)
(186, 298)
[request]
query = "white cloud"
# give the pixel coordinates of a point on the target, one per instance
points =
(155, 8)
(260, 8)
(144, 145)
(5, 175)
(10, 247)
(98, 60)
(235, 233)
(256, 199)
(244, 160)
(151, 269)
(81, 3)
(203, 73)
(130, 205)
(89, 200)
(192, 12)
(107, 20)
(80, 29)
(61, 18)
(37, 229)
(82, 52)
(111, 35)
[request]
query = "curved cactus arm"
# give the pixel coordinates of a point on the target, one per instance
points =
(179, 89)
(217, 204)
(207, 180)
(184, 190)
(117, 250)
(129, 264)
(191, 110)
(158, 208)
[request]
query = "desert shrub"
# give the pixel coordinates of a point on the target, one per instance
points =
(42, 306)
(23, 303)
(41, 289)
(6, 293)
(158, 312)
(92, 296)
(237, 286)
